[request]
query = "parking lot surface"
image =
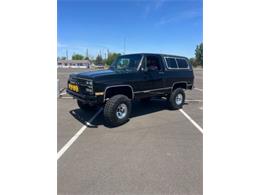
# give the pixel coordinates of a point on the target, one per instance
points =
(157, 152)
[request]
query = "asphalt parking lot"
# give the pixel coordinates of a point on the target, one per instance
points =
(157, 152)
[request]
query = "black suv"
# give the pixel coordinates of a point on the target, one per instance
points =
(132, 77)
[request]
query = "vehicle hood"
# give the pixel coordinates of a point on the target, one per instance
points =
(97, 73)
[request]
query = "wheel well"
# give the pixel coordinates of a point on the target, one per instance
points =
(179, 85)
(124, 90)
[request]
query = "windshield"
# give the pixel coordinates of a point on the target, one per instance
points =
(127, 62)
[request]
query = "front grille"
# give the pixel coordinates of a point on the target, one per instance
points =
(82, 82)
(83, 86)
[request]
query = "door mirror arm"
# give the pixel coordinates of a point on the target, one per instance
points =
(142, 69)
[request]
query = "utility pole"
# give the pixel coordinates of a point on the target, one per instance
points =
(87, 53)
(67, 56)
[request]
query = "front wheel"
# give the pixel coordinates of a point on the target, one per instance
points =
(117, 110)
(176, 99)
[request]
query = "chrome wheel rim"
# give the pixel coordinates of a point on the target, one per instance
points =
(179, 99)
(121, 111)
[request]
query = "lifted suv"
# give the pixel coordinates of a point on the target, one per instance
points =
(131, 77)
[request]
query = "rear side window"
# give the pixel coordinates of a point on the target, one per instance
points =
(171, 62)
(182, 63)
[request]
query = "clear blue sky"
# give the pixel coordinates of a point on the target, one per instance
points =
(165, 26)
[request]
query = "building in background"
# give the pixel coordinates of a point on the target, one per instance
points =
(74, 63)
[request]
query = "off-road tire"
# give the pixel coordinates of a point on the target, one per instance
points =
(172, 99)
(110, 110)
(85, 107)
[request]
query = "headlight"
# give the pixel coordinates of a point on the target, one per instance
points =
(89, 82)
(89, 90)
(89, 86)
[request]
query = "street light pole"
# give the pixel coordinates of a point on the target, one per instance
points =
(67, 56)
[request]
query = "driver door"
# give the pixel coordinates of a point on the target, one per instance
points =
(152, 73)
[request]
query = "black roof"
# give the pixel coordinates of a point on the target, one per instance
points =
(164, 55)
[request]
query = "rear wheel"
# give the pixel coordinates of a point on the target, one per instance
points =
(117, 110)
(85, 107)
(176, 99)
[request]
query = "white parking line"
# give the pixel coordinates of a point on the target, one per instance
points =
(194, 100)
(73, 139)
(191, 120)
(70, 142)
(88, 123)
(68, 97)
(63, 93)
(198, 89)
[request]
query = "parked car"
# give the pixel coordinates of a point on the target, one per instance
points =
(132, 77)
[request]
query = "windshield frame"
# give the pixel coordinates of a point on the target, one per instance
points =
(113, 66)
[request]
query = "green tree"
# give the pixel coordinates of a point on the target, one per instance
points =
(77, 57)
(199, 55)
(61, 58)
(99, 59)
(111, 57)
(192, 62)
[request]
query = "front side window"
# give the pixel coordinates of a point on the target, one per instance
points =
(153, 63)
(127, 62)
(182, 63)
